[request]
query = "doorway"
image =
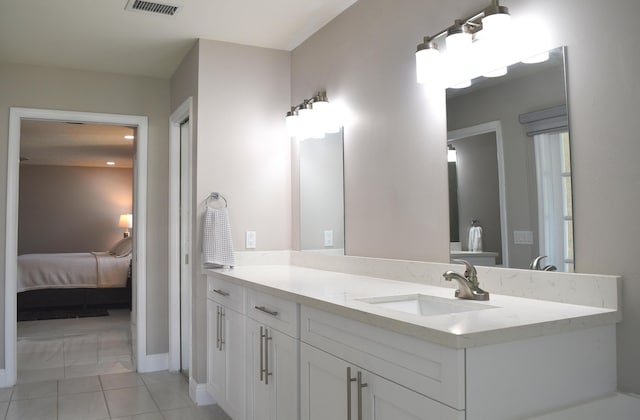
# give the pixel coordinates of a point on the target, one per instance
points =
(138, 315)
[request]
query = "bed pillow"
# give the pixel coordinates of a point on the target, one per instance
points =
(122, 248)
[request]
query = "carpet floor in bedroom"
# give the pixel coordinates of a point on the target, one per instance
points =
(74, 347)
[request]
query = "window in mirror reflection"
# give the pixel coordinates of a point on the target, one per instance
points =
(322, 194)
(530, 102)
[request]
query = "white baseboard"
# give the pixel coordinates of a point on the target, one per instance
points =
(199, 393)
(154, 363)
(4, 380)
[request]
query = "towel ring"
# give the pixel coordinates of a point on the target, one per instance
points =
(216, 196)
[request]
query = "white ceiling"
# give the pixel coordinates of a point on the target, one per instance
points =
(72, 144)
(100, 35)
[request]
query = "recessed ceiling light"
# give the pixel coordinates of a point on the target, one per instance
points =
(110, 163)
(129, 137)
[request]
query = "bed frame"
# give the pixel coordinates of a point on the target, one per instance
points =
(111, 297)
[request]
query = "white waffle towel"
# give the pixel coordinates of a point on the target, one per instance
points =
(475, 239)
(217, 246)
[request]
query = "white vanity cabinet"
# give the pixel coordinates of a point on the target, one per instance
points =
(351, 370)
(334, 389)
(272, 351)
(226, 346)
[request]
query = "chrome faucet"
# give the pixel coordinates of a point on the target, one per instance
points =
(469, 287)
(535, 265)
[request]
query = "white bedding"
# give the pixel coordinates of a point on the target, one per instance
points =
(87, 269)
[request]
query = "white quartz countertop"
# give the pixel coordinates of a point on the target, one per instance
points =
(509, 318)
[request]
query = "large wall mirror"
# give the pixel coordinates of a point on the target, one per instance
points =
(322, 194)
(509, 167)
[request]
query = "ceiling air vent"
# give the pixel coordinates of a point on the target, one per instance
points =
(152, 7)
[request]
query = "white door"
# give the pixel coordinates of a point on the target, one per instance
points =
(273, 375)
(324, 386)
(185, 247)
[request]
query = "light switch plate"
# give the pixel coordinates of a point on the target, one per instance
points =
(250, 239)
(328, 238)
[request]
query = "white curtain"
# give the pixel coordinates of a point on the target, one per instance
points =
(548, 151)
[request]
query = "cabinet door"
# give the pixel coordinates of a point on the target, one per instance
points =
(384, 400)
(233, 348)
(324, 386)
(216, 363)
(273, 395)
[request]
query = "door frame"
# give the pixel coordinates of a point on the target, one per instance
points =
(184, 111)
(140, 176)
(476, 130)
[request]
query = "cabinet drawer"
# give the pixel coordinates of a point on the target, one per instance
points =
(226, 293)
(429, 369)
(274, 312)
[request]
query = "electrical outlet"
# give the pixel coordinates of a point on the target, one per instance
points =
(328, 238)
(523, 237)
(250, 239)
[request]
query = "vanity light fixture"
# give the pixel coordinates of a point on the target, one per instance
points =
(312, 118)
(491, 24)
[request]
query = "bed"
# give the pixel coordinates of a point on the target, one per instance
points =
(76, 279)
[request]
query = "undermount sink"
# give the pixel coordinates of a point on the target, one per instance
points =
(425, 305)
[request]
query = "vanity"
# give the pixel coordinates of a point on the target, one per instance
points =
(327, 337)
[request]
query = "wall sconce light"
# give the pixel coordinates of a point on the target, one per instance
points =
(312, 118)
(482, 44)
(452, 155)
(126, 222)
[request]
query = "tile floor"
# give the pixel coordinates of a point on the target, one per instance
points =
(71, 348)
(83, 369)
(147, 396)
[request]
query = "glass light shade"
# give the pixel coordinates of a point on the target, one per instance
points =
(497, 72)
(538, 58)
(293, 123)
(459, 42)
(452, 156)
(496, 24)
(462, 85)
(427, 64)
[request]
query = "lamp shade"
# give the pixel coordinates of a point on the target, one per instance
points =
(126, 221)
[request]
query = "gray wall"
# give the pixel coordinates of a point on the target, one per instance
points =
(71, 209)
(478, 190)
(72, 90)
(505, 103)
(242, 152)
(395, 142)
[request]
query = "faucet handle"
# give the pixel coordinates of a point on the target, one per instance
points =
(470, 271)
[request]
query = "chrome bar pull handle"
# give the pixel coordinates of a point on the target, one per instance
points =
(261, 354)
(218, 327)
(266, 356)
(360, 386)
(266, 311)
(222, 331)
(349, 380)
(221, 292)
